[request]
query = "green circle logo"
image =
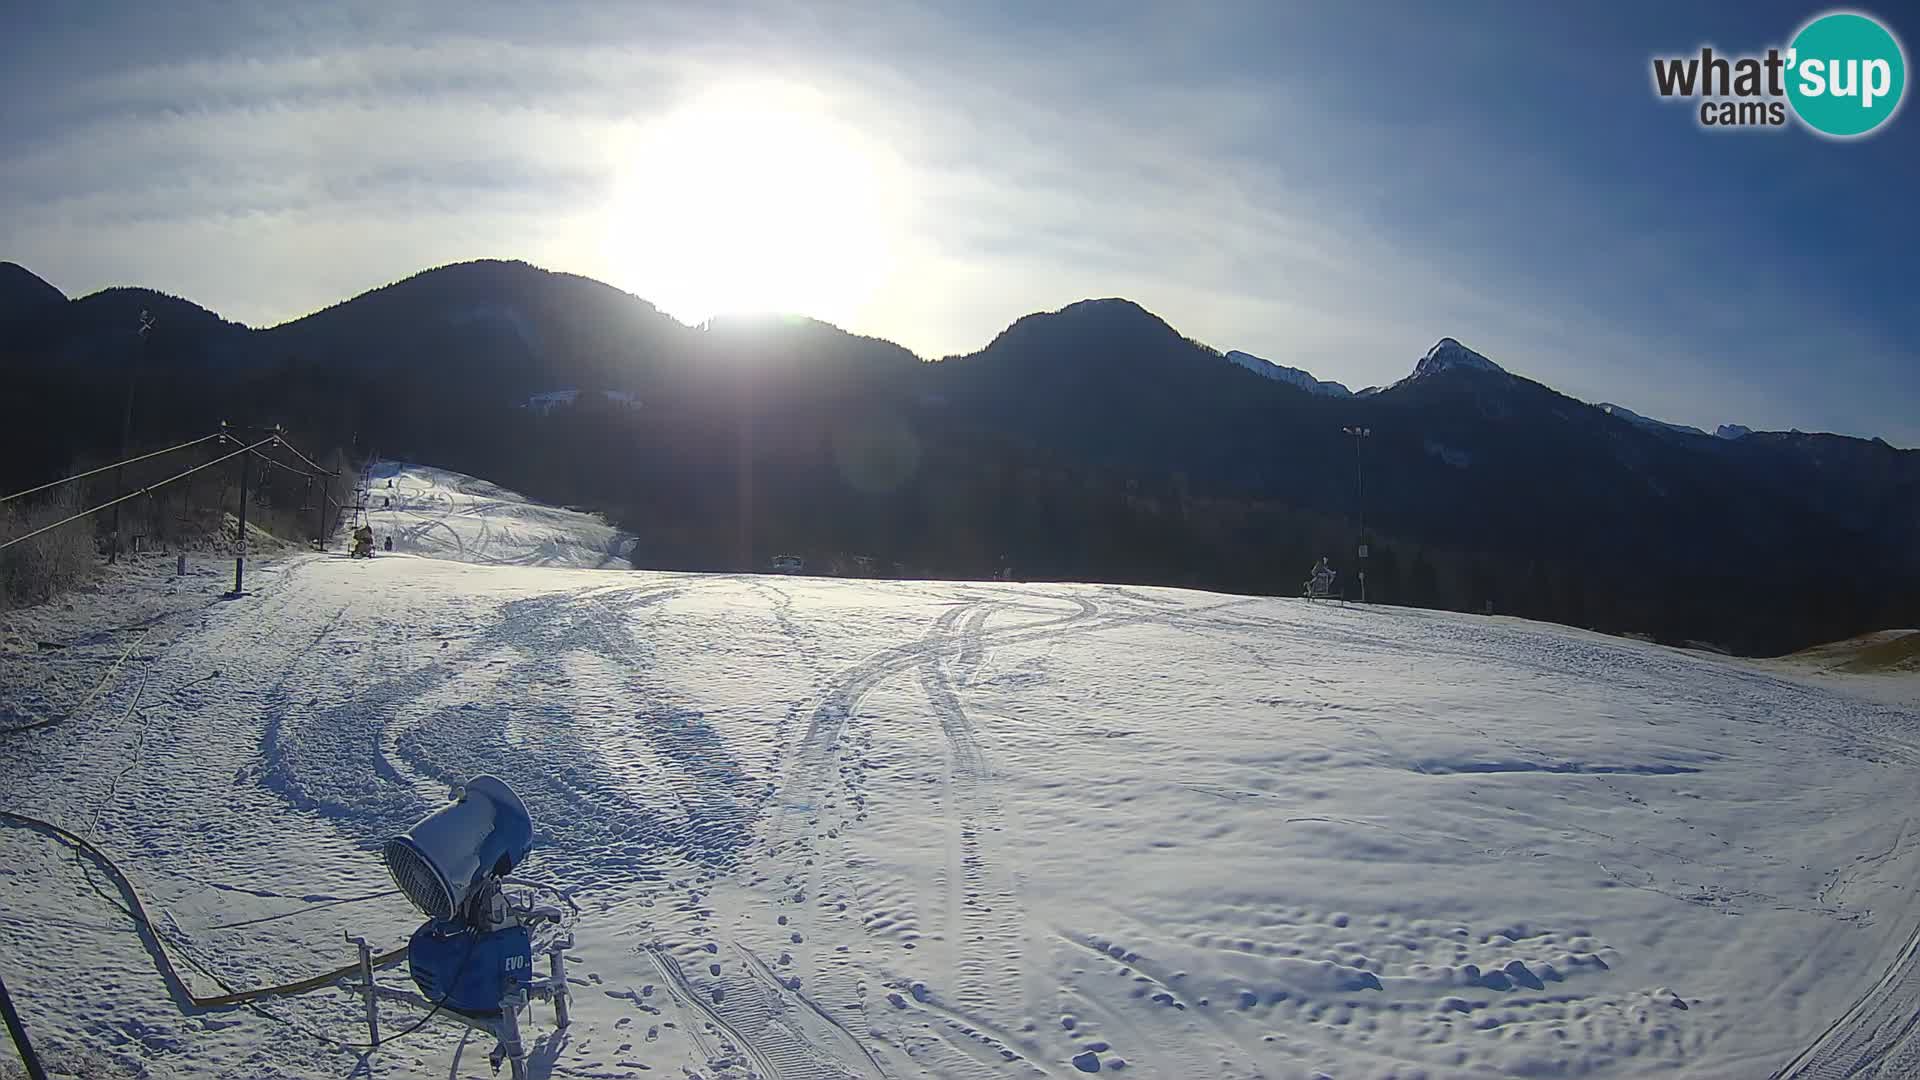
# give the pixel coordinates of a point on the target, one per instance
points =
(1845, 74)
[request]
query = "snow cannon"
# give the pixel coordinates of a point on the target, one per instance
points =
(444, 862)
(473, 957)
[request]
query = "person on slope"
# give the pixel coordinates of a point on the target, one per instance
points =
(363, 539)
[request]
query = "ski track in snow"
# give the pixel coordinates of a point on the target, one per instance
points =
(822, 830)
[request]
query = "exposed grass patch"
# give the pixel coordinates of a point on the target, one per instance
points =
(1895, 654)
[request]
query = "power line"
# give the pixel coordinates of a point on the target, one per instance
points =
(115, 465)
(149, 489)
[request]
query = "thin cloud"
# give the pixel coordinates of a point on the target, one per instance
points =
(1034, 158)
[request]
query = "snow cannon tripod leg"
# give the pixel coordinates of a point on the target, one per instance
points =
(511, 1048)
(561, 1003)
(366, 987)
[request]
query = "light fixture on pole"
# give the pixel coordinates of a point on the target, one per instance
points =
(1359, 502)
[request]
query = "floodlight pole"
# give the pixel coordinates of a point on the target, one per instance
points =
(1359, 502)
(126, 433)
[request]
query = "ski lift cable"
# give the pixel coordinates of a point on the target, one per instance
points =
(310, 462)
(290, 468)
(278, 464)
(105, 468)
(130, 495)
(316, 470)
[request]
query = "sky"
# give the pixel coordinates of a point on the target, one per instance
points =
(1333, 187)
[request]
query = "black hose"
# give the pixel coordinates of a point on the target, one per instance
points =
(19, 1032)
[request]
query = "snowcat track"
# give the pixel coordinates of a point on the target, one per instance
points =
(1879, 1037)
(742, 1014)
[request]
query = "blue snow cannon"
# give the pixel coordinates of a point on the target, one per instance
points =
(469, 971)
(472, 953)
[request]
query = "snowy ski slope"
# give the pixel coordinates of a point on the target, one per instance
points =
(825, 829)
(446, 515)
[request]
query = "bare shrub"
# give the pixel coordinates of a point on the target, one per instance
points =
(36, 570)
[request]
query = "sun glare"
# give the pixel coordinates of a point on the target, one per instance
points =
(752, 201)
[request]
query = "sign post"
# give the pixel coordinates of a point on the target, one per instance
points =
(240, 549)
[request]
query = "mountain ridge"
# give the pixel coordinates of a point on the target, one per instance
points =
(1447, 354)
(1091, 442)
(22, 292)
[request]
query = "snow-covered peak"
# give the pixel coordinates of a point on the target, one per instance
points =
(1648, 422)
(1290, 375)
(1449, 355)
(546, 402)
(553, 399)
(1732, 431)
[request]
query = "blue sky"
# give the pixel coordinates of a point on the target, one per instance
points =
(1331, 186)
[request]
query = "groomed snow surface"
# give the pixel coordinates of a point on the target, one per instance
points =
(825, 829)
(447, 515)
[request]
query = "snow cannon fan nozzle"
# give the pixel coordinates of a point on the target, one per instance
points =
(448, 857)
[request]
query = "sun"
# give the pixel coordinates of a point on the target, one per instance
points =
(752, 200)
